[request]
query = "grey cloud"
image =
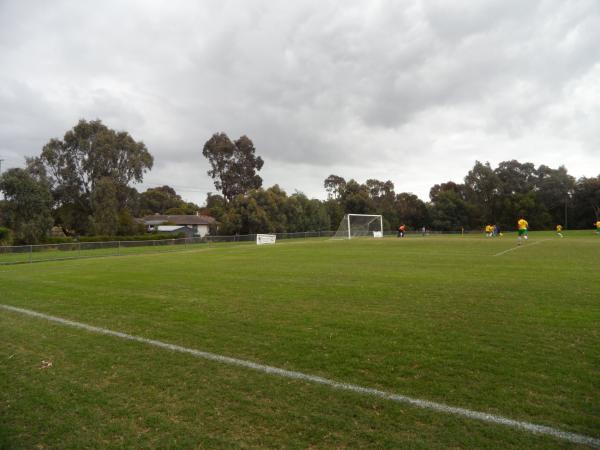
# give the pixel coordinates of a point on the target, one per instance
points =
(320, 86)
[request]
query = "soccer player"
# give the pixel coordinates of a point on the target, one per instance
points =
(523, 225)
(401, 230)
(559, 230)
(597, 226)
(488, 230)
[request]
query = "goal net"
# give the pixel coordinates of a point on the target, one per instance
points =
(265, 239)
(359, 225)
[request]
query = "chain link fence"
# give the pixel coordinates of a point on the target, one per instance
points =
(21, 254)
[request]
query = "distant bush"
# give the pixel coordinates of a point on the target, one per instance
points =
(59, 240)
(5, 236)
(137, 237)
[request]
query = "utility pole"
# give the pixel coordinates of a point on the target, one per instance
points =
(1, 195)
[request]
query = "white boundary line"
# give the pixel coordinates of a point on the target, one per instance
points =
(424, 404)
(520, 246)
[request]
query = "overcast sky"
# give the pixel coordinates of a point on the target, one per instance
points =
(411, 91)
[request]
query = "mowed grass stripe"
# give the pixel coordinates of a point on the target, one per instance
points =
(424, 404)
(104, 392)
(525, 245)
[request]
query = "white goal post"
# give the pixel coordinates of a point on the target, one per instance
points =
(265, 239)
(359, 225)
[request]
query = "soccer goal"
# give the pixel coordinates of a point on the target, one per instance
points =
(358, 225)
(265, 239)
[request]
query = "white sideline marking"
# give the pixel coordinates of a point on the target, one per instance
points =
(424, 404)
(520, 246)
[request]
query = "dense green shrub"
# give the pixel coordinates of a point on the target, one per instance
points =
(5, 236)
(137, 237)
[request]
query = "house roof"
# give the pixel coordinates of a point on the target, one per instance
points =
(157, 219)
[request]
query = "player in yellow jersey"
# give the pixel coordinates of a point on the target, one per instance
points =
(523, 225)
(559, 230)
(488, 230)
(598, 227)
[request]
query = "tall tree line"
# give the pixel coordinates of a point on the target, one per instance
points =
(487, 195)
(83, 184)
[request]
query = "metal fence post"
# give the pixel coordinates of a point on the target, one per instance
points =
(30, 253)
(118, 248)
(79, 249)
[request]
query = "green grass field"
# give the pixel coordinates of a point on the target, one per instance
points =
(436, 318)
